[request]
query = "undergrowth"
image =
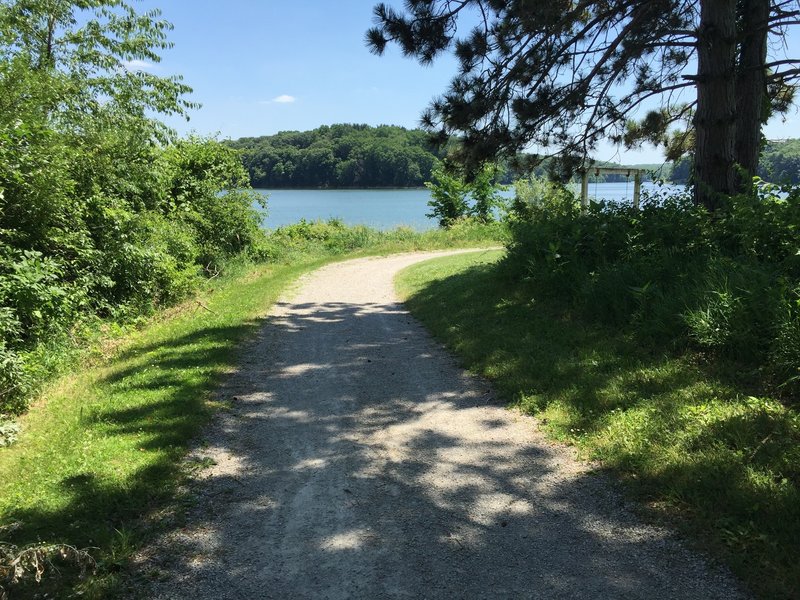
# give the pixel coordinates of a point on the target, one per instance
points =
(725, 284)
(333, 237)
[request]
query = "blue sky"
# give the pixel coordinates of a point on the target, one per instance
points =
(259, 67)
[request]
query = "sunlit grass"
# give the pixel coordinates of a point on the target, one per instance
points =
(100, 453)
(686, 442)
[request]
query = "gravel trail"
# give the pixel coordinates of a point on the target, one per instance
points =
(358, 461)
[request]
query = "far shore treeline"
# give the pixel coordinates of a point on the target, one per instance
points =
(389, 156)
(358, 156)
(340, 156)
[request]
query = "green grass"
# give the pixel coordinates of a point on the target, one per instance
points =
(99, 454)
(722, 465)
(99, 461)
(334, 238)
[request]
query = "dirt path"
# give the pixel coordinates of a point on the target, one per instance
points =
(358, 461)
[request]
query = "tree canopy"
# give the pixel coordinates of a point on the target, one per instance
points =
(780, 162)
(564, 75)
(361, 156)
(344, 155)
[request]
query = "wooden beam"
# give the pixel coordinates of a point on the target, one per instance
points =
(616, 171)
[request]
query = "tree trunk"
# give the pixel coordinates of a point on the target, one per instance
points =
(715, 119)
(751, 86)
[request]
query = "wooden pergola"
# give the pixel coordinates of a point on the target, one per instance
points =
(637, 181)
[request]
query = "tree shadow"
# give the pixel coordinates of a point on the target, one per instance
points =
(732, 462)
(356, 461)
(93, 510)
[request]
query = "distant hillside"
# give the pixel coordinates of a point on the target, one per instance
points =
(359, 156)
(339, 156)
(780, 161)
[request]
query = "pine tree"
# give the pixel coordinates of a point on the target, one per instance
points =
(565, 74)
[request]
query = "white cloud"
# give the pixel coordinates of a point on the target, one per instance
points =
(137, 65)
(284, 99)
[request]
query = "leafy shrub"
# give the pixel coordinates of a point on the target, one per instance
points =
(34, 293)
(537, 195)
(673, 274)
(225, 225)
(209, 191)
(454, 199)
(109, 241)
(483, 191)
(448, 197)
(10, 327)
(146, 260)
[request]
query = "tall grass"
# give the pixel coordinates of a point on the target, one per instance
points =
(333, 237)
(726, 285)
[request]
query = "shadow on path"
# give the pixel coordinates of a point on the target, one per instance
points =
(357, 461)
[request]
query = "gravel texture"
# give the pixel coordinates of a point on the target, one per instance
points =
(359, 461)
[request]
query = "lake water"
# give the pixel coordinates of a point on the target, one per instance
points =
(384, 209)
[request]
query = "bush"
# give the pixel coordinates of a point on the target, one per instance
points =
(676, 276)
(34, 293)
(103, 245)
(209, 191)
(454, 199)
(225, 225)
(448, 197)
(145, 260)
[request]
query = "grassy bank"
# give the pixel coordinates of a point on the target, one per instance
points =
(99, 457)
(99, 452)
(685, 438)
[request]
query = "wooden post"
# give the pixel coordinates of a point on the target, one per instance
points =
(584, 190)
(637, 188)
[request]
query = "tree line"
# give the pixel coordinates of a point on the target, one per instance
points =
(362, 156)
(340, 156)
(779, 163)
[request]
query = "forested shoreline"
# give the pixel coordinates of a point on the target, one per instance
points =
(340, 156)
(359, 156)
(779, 163)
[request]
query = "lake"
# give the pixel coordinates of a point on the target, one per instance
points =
(384, 209)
